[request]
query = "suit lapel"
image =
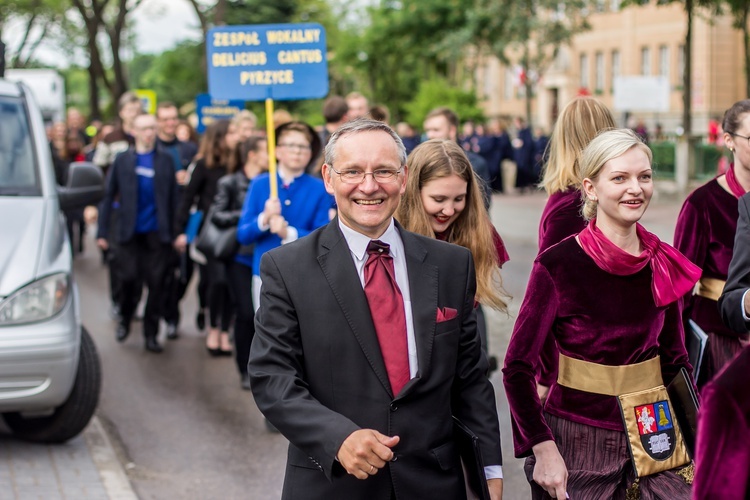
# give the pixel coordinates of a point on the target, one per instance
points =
(338, 267)
(423, 289)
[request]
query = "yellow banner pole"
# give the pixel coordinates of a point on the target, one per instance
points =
(271, 139)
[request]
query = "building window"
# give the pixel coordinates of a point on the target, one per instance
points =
(584, 63)
(599, 72)
(600, 5)
(614, 5)
(664, 61)
(645, 61)
(681, 63)
(615, 67)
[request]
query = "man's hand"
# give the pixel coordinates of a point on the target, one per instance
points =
(181, 176)
(180, 243)
(496, 488)
(102, 243)
(272, 207)
(746, 305)
(277, 225)
(365, 452)
(90, 214)
(550, 472)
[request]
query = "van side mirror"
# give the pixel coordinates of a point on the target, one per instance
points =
(85, 186)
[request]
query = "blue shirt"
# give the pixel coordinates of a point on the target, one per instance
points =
(304, 205)
(146, 220)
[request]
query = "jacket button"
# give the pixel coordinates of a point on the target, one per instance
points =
(394, 407)
(395, 457)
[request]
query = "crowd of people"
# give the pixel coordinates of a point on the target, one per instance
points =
(352, 295)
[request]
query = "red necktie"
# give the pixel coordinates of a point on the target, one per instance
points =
(387, 309)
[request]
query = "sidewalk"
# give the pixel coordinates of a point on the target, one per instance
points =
(84, 468)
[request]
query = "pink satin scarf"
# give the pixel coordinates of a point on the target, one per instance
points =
(734, 185)
(673, 274)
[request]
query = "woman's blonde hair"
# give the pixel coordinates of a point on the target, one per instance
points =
(472, 229)
(606, 146)
(578, 123)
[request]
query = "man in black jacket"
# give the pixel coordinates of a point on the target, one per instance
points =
(143, 178)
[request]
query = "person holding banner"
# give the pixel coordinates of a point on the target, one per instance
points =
(610, 295)
(300, 207)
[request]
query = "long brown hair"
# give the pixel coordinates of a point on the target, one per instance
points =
(440, 158)
(214, 150)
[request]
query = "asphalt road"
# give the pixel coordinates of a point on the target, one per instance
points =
(183, 427)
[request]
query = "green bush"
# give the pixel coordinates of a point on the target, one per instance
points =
(438, 92)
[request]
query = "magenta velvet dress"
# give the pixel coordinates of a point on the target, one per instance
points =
(705, 235)
(722, 461)
(561, 218)
(598, 317)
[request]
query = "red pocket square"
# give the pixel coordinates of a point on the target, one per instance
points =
(446, 314)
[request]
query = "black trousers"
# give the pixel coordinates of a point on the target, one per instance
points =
(176, 280)
(220, 306)
(241, 286)
(143, 259)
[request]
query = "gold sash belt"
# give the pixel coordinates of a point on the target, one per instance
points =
(709, 288)
(609, 380)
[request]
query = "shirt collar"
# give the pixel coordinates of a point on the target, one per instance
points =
(358, 242)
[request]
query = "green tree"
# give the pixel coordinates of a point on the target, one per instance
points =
(170, 73)
(38, 18)
(529, 33)
(439, 92)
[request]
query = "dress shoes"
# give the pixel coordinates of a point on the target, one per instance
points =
(122, 332)
(153, 346)
(172, 331)
(245, 381)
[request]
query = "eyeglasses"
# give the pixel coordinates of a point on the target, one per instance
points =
(354, 176)
(300, 148)
(741, 136)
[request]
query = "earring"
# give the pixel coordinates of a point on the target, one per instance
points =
(595, 199)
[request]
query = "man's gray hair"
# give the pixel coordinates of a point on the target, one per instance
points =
(358, 126)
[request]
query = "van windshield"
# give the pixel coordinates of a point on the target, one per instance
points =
(18, 173)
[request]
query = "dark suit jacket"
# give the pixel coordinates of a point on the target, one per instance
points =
(122, 185)
(318, 374)
(738, 279)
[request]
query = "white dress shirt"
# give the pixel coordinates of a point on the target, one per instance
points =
(358, 243)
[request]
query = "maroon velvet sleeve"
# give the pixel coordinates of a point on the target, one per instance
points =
(535, 320)
(722, 454)
(691, 233)
(561, 218)
(672, 344)
(502, 253)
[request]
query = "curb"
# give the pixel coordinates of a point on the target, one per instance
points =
(113, 476)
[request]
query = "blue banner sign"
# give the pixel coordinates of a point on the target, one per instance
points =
(255, 62)
(209, 110)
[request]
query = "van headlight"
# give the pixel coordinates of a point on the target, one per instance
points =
(36, 301)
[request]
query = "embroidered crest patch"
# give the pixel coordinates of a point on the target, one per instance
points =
(656, 429)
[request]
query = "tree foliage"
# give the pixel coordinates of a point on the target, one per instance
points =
(38, 18)
(439, 92)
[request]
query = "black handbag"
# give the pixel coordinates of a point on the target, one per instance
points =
(215, 242)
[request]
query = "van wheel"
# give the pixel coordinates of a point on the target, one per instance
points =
(70, 418)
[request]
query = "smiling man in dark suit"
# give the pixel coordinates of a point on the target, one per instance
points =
(366, 343)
